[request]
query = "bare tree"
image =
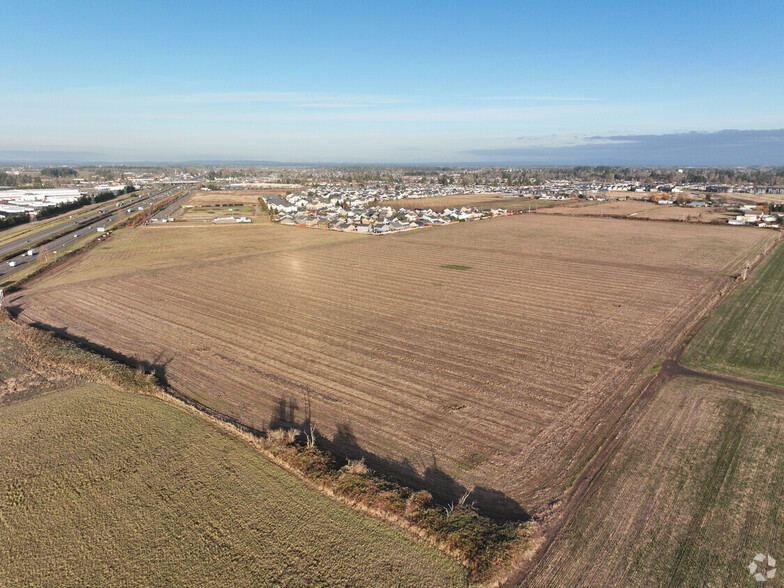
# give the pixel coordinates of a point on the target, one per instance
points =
(310, 435)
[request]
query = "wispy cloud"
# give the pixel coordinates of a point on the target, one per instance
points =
(216, 100)
(726, 147)
(338, 104)
(347, 114)
(537, 98)
(298, 99)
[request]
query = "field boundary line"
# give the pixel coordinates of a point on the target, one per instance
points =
(592, 469)
(670, 369)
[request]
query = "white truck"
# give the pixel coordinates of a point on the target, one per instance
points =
(31, 252)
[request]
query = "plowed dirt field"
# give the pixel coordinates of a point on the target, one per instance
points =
(222, 197)
(494, 353)
(642, 210)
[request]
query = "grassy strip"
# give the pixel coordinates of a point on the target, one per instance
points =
(45, 263)
(721, 473)
(33, 227)
(480, 543)
(689, 497)
(63, 221)
(152, 209)
(68, 355)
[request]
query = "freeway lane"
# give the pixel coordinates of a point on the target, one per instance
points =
(55, 245)
(45, 235)
(169, 210)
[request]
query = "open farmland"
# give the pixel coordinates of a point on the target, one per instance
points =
(107, 487)
(745, 337)
(209, 213)
(752, 198)
(689, 498)
(505, 374)
(481, 201)
(207, 205)
(174, 246)
(223, 197)
(640, 209)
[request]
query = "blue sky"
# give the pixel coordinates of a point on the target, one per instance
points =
(419, 82)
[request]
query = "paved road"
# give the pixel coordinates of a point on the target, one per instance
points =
(93, 222)
(44, 235)
(169, 210)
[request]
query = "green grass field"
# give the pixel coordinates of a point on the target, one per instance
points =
(745, 337)
(689, 498)
(103, 487)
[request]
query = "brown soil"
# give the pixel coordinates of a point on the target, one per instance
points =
(638, 209)
(509, 375)
(220, 197)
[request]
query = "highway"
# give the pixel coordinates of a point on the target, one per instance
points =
(41, 237)
(169, 210)
(86, 225)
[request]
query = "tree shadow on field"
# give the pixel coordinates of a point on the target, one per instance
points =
(284, 415)
(344, 445)
(13, 310)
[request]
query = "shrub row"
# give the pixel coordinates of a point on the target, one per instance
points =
(480, 542)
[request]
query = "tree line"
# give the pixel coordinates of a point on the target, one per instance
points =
(14, 220)
(59, 172)
(13, 180)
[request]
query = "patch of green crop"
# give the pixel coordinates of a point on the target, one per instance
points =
(656, 366)
(744, 337)
(456, 267)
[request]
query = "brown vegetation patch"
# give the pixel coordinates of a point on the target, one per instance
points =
(221, 197)
(480, 201)
(641, 209)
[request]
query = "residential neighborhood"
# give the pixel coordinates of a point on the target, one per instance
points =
(352, 212)
(367, 209)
